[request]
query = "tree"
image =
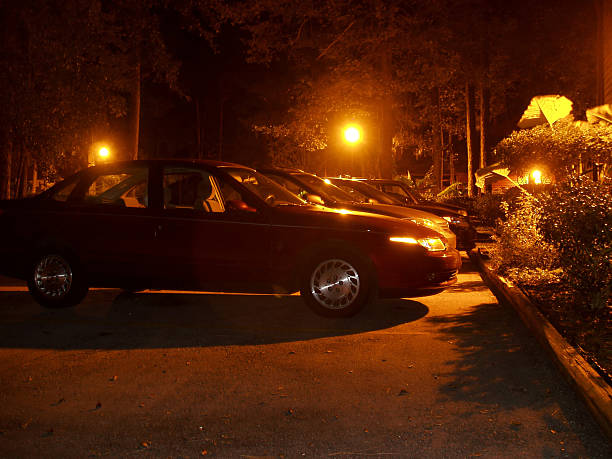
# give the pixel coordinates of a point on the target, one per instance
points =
(558, 150)
(67, 73)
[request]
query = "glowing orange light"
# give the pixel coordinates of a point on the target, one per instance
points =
(352, 134)
(537, 176)
(104, 152)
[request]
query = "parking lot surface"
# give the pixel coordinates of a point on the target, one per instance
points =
(176, 374)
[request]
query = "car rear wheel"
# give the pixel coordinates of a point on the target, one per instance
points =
(336, 285)
(55, 281)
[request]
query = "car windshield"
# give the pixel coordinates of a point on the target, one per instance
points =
(369, 192)
(268, 190)
(326, 190)
(399, 191)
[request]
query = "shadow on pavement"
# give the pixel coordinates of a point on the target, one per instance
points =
(110, 319)
(502, 369)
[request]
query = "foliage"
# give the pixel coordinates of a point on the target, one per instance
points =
(67, 71)
(488, 208)
(521, 243)
(557, 150)
(577, 220)
(454, 190)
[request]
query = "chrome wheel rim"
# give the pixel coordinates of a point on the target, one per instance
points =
(53, 276)
(335, 284)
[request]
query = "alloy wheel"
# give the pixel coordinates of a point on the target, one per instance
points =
(53, 276)
(335, 284)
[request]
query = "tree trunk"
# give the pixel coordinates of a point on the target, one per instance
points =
(385, 159)
(7, 165)
(135, 114)
(34, 188)
(221, 121)
(469, 135)
(21, 176)
(485, 95)
(198, 128)
(436, 141)
(451, 159)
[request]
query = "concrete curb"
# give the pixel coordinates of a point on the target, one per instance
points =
(590, 386)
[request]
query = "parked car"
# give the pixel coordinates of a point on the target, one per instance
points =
(457, 218)
(409, 195)
(319, 191)
(204, 225)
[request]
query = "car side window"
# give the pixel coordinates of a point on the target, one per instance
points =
(190, 188)
(62, 193)
(128, 188)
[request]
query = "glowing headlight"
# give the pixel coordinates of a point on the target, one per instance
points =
(432, 244)
(452, 219)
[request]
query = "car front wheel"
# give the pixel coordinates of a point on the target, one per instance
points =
(336, 286)
(55, 281)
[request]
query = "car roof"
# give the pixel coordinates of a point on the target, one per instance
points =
(176, 161)
(286, 170)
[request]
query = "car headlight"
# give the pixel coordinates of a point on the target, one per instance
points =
(452, 219)
(432, 244)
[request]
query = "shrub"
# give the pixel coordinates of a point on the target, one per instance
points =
(560, 148)
(521, 244)
(487, 207)
(578, 222)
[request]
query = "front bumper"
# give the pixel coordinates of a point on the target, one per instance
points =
(417, 274)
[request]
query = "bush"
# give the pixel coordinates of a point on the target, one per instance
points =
(487, 207)
(521, 244)
(577, 220)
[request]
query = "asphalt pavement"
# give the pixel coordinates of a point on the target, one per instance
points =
(182, 375)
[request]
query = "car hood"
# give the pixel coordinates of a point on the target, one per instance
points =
(347, 220)
(395, 211)
(440, 210)
(446, 207)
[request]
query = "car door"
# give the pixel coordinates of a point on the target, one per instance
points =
(111, 225)
(205, 240)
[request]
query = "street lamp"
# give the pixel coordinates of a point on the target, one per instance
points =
(352, 134)
(537, 177)
(104, 152)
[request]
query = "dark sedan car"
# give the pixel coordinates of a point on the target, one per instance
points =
(402, 194)
(202, 225)
(320, 191)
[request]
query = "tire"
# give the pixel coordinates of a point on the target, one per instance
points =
(56, 281)
(337, 284)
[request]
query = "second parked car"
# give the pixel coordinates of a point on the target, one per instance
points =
(316, 190)
(395, 193)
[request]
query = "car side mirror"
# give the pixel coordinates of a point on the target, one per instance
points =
(240, 206)
(314, 199)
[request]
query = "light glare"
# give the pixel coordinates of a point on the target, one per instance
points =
(352, 134)
(537, 176)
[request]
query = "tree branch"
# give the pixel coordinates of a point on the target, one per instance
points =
(335, 41)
